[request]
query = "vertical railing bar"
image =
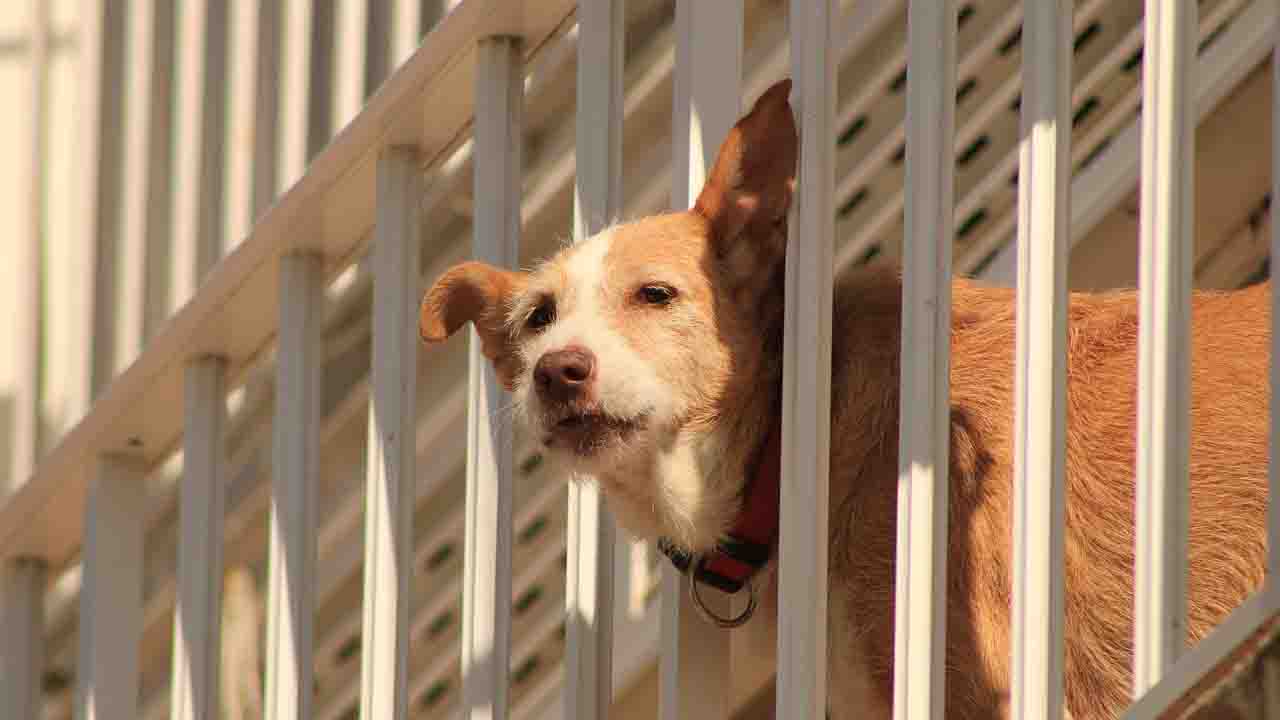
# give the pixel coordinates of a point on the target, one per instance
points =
(406, 31)
(198, 162)
(349, 42)
(486, 598)
(707, 101)
(245, 19)
(145, 206)
(391, 468)
(1044, 178)
(197, 618)
(806, 378)
(107, 674)
(1273, 507)
(26, 329)
(924, 427)
(267, 103)
(22, 651)
(293, 128)
(291, 550)
(597, 202)
(1167, 204)
(22, 581)
(97, 170)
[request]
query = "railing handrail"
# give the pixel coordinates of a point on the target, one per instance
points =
(428, 101)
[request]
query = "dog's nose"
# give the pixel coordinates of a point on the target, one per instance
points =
(563, 374)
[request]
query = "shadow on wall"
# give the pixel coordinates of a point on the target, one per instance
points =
(242, 632)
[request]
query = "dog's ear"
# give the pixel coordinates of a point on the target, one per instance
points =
(478, 293)
(749, 189)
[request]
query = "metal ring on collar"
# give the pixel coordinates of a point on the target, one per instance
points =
(723, 622)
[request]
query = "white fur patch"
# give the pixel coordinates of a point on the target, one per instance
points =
(586, 305)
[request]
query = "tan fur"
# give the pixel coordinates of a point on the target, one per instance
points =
(717, 354)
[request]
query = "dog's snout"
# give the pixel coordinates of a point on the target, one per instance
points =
(563, 374)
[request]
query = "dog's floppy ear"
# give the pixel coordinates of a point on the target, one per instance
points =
(478, 293)
(749, 189)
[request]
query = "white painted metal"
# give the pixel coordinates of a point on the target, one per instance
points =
(806, 377)
(97, 160)
(707, 99)
(1044, 178)
(924, 428)
(196, 242)
(597, 199)
(22, 653)
(145, 186)
(349, 42)
(23, 447)
(1164, 379)
(486, 597)
(291, 553)
(107, 673)
(293, 141)
(247, 114)
(1273, 507)
(406, 30)
(197, 618)
(391, 468)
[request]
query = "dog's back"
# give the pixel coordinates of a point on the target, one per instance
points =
(1230, 396)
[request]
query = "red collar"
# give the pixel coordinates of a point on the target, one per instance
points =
(749, 544)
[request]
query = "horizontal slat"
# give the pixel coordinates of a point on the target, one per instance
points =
(427, 102)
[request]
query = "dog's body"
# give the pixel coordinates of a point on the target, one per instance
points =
(650, 357)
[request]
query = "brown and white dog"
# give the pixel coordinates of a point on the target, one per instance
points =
(649, 357)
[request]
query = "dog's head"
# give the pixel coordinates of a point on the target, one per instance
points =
(625, 351)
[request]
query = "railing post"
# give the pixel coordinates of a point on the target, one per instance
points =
(1164, 378)
(391, 468)
(197, 618)
(708, 80)
(198, 152)
(486, 629)
(107, 675)
(293, 126)
(22, 652)
(924, 427)
(1044, 185)
(806, 378)
(597, 201)
(291, 552)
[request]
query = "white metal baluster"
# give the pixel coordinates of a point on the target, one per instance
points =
(391, 469)
(22, 583)
(406, 29)
(708, 96)
(597, 201)
(486, 599)
(1044, 185)
(924, 428)
(197, 618)
(1164, 379)
(83, 370)
(26, 328)
(107, 674)
(248, 114)
(350, 38)
(291, 551)
(293, 126)
(201, 108)
(806, 378)
(1273, 508)
(146, 184)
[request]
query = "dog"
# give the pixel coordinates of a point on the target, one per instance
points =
(649, 358)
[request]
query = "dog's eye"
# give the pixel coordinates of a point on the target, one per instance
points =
(656, 294)
(542, 316)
